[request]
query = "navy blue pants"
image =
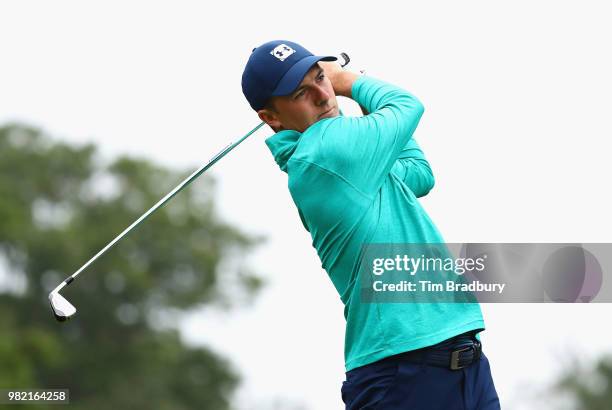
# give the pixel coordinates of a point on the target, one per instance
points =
(400, 385)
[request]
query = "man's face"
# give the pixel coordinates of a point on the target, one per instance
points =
(313, 100)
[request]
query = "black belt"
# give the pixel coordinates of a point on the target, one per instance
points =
(454, 353)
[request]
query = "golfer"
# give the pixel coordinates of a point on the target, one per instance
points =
(354, 181)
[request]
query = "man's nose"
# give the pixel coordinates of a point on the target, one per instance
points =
(322, 96)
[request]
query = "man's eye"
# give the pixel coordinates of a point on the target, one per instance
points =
(298, 95)
(321, 77)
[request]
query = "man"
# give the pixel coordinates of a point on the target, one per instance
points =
(355, 181)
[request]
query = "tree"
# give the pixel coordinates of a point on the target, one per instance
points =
(588, 388)
(58, 206)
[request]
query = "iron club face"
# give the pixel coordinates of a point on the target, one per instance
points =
(62, 309)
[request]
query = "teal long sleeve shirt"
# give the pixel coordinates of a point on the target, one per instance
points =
(355, 181)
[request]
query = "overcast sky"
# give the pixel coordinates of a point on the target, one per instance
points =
(516, 128)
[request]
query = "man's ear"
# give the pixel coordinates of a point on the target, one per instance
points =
(271, 118)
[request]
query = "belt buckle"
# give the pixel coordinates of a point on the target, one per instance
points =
(454, 361)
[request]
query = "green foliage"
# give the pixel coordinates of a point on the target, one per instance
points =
(588, 388)
(58, 207)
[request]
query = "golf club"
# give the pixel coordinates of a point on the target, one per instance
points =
(64, 310)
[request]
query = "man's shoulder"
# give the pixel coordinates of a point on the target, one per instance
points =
(323, 138)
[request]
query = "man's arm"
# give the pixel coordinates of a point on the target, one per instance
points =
(412, 168)
(385, 136)
(411, 165)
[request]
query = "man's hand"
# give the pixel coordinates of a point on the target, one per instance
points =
(341, 80)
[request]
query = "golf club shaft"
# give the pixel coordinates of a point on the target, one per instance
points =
(159, 204)
(343, 60)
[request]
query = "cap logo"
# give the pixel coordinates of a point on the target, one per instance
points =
(282, 51)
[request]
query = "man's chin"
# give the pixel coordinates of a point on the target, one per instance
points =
(330, 114)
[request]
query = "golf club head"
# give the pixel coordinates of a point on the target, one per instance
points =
(62, 309)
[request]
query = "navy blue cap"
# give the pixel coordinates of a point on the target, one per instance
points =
(276, 68)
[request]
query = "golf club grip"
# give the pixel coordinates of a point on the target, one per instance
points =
(346, 59)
